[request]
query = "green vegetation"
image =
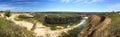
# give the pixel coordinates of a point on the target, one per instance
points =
(9, 29)
(71, 33)
(115, 29)
(7, 13)
(60, 15)
(18, 19)
(54, 26)
(54, 14)
(22, 17)
(114, 16)
(39, 17)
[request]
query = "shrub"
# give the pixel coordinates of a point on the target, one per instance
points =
(7, 13)
(24, 17)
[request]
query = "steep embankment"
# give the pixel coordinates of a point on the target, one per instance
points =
(95, 27)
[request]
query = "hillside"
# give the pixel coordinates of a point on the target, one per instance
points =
(60, 24)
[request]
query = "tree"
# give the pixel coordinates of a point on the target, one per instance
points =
(7, 13)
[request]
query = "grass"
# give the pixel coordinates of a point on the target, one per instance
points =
(114, 29)
(9, 29)
(71, 33)
(18, 19)
(115, 17)
(23, 17)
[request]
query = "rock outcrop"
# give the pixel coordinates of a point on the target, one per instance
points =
(95, 26)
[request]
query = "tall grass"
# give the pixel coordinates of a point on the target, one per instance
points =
(9, 29)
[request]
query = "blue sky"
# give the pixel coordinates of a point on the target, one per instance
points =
(60, 5)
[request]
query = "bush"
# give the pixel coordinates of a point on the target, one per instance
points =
(7, 13)
(24, 17)
(9, 29)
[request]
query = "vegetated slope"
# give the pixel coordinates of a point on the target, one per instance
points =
(9, 29)
(95, 27)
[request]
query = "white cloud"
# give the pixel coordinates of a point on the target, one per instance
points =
(66, 1)
(26, 2)
(31, 2)
(78, 0)
(89, 1)
(19, 0)
(82, 1)
(94, 1)
(6, 7)
(115, 5)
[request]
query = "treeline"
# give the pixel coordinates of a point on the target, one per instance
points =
(62, 20)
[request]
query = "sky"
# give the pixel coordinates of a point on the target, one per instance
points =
(60, 5)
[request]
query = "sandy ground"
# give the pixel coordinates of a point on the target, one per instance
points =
(41, 30)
